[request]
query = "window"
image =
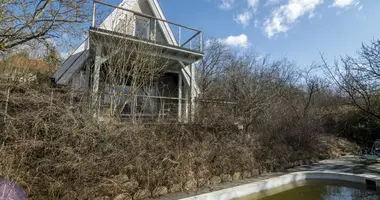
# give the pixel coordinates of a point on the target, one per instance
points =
(142, 27)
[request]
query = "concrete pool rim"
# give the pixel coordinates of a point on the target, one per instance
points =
(267, 184)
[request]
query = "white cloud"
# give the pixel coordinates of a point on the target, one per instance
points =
(343, 3)
(253, 4)
(227, 4)
(360, 7)
(236, 41)
(283, 17)
(244, 18)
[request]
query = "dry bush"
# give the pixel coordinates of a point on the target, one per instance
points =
(55, 150)
(280, 108)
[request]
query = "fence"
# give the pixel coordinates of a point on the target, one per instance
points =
(208, 111)
(149, 107)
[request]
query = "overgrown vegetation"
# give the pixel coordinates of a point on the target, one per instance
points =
(55, 149)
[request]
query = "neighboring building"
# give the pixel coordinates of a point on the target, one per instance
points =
(23, 69)
(172, 94)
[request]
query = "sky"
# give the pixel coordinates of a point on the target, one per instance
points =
(297, 29)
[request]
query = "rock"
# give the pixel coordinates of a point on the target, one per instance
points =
(190, 185)
(159, 191)
(202, 173)
(190, 174)
(202, 182)
(270, 169)
(130, 186)
(102, 198)
(300, 163)
(236, 176)
(289, 165)
(247, 174)
(108, 189)
(215, 180)
(255, 172)
(124, 196)
(226, 177)
(141, 194)
(122, 178)
(175, 188)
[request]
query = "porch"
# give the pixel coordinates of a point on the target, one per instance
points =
(170, 96)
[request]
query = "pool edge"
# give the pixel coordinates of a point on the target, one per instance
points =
(259, 186)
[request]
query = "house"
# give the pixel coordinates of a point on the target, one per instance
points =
(136, 23)
(23, 69)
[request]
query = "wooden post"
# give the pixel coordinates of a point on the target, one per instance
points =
(96, 77)
(94, 14)
(155, 30)
(201, 41)
(187, 105)
(180, 96)
(179, 36)
(192, 89)
(191, 93)
(133, 109)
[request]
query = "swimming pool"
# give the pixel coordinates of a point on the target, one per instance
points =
(317, 190)
(292, 183)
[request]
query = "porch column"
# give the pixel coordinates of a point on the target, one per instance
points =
(187, 104)
(96, 76)
(192, 92)
(179, 96)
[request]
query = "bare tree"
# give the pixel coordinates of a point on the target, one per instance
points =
(210, 66)
(131, 68)
(358, 77)
(251, 81)
(23, 21)
(129, 72)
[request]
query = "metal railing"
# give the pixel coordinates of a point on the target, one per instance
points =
(193, 38)
(149, 107)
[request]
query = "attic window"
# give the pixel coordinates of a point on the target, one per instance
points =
(142, 27)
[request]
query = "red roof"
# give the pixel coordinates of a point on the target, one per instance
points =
(27, 63)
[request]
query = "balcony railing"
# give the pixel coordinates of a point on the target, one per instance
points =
(143, 26)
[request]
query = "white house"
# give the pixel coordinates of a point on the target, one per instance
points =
(179, 44)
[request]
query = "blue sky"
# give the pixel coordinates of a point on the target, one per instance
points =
(297, 29)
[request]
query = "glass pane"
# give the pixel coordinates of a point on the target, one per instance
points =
(142, 27)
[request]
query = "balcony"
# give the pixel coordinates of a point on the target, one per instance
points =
(178, 42)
